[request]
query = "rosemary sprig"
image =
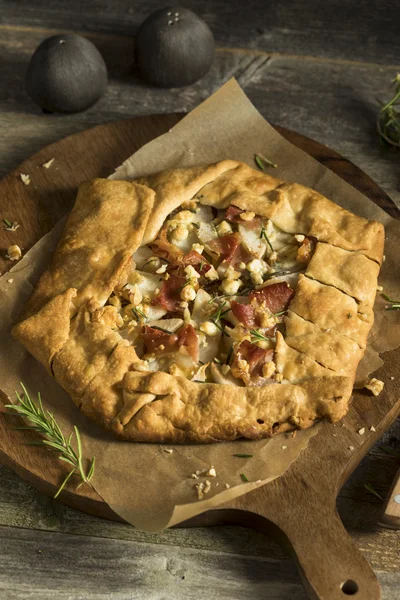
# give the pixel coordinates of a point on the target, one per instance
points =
(229, 355)
(243, 477)
(219, 314)
(138, 314)
(263, 234)
(371, 490)
(196, 225)
(43, 422)
(257, 335)
(390, 450)
(243, 455)
(10, 226)
(262, 162)
(188, 282)
(388, 124)
(217, 298)
(280, 313)
(395, 303)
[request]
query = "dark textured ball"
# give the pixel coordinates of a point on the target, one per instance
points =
(66, 74)
(174, 48)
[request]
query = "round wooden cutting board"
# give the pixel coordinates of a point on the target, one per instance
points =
(298, 508)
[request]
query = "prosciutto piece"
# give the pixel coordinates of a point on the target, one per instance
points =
(169, 296)
(276, 297)
(159, 342)
(255, 357)
(231, 249)
(233, 216)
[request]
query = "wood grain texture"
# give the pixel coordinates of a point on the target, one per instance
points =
(302, 27)
(327, 100)
(333, 37)
(391, 511)
(288, 517)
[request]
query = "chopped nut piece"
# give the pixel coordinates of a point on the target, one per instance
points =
(191, 273)
(189, 204)
(274, 257)
(25, 178)
(247, 215)
(230, 286)
(207, 487)
(391, 378)
(227, 486)
(361, 431)
(211, 472)
(10, 280)
(199, 487)
(379, 288)
(372, 428)
(299, 238)
(180, 233)
(209, 328)
(212, 274)
(168, 450)
(284, 447)
(268, 369)
(14, 252)
(48, 164)
(223, 228)
(351, 448)
(375, 385)
(198, 248)
(188, 293)
(162, 269)
(230, 273)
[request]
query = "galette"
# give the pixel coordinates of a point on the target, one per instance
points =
(206, 304)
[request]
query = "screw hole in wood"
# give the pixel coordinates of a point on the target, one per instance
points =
(349, 587)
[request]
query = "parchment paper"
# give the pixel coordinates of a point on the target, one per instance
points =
(144, 484)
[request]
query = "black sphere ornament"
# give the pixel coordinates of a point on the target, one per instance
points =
(174, 48)
(66, 74)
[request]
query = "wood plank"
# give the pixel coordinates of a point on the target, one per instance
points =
(57, 565)
(298, 94)
(336, 29)
(23, 507)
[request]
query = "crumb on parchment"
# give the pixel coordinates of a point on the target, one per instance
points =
(25, 178)
(48, 164)
(374, 385)
(14, 252)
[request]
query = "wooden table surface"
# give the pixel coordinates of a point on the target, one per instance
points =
(315, 67)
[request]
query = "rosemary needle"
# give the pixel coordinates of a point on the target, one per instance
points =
(262, 162)
(43, 422)
(395, 303)
(243, 455)
(371, 490)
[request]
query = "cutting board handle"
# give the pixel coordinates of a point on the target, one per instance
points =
(330, 564)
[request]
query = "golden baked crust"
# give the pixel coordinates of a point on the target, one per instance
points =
(70, 330)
